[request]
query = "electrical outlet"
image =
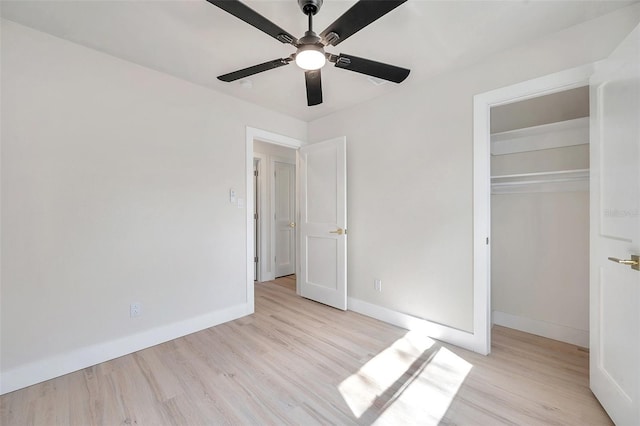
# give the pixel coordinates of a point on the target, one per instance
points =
(377, 284)
(135, 309)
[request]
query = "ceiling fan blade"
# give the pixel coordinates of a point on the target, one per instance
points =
(246, 72)
(251, 17)
(372, 68)
(359, 16)
(314, 87)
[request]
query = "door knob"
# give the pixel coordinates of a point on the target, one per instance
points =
(338, 231)
(634, 262)
(292, 225)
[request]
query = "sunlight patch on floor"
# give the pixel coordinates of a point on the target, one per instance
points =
(412, 380)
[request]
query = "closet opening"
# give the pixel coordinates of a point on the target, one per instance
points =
(539, 168)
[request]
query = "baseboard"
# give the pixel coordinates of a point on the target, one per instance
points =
(461, 338)
(62, 364)
(543, 328)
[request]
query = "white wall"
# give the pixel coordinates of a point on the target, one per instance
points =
(410, 173)
(115, 183)
(540, 263)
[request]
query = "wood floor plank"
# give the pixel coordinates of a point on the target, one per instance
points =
(298, 362)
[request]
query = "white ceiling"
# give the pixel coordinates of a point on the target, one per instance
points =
(195, 41)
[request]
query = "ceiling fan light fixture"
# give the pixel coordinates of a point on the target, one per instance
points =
(310, 57)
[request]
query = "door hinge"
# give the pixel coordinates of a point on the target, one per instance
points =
(255, 216)
(255, 173)
(255, 259)
(487, 240)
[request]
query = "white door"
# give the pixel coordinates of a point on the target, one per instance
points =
(284, 214)
(256, 222)
(615, 233)
(323, 222)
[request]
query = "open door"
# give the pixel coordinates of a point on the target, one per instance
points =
(615, 233)
(323, 220)
(284, 189)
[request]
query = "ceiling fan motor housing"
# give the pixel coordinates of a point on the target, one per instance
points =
(310, 6)
(310, 38)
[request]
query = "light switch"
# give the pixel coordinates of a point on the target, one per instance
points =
(240, 203)
(232, 196)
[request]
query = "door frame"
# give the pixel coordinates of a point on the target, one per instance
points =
(482, 104)
(252, 134)
(258, 198)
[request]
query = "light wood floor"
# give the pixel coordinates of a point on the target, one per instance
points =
(298, 362)
(288, 281)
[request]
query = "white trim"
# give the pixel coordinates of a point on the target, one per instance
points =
(434, 330)
(276, 139)
(547, 136)
(273, 138)
(263, 273)
(58, 365)
(482, 103)
(298, 259)
(547, 329)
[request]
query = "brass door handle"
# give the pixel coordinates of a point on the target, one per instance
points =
(292, 225)
(634, 262)
(338, 231)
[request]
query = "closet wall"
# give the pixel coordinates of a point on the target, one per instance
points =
(540, 216)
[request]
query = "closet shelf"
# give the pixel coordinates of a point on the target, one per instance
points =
(554, 135)
(555, 181)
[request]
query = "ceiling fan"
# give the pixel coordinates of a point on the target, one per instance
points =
(310, 54)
